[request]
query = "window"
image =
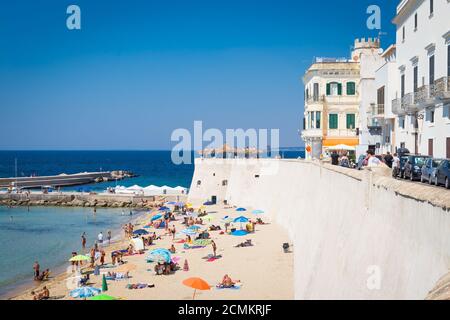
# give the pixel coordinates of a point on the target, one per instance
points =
(224, 183)
(304, 123)
(334, 89)
(431, 7)
(415, 22)
(431, 70)
(403, 34)
(307, 95)
(317, 119)
(351, 88)
(199, 182)
(416, 86)
(430, 116)
(401, 122)
(446, 112)
(402, 86)
(351, 121)
(312, 120)
(448, 61)
(316, 92)
(333, 121)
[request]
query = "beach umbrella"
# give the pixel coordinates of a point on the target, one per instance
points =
(194, 227)
(189, 232)
(102, 297)
(127, 267)
(239, 233)
(196, 284)
(257, 212)
(227, 219)
(160, 254)
(104, 284)
(208, 203)
(80, 257)
(164, 208)
(140, 232)
(171, 203)
(84, 292)
(241, 209)
(208, 218)
(241, 219)
(157, 217)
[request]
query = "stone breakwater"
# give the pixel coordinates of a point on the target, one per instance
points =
(86, 200)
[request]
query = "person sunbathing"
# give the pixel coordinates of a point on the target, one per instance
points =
(172, 249)
(247, 243)
(227, 282)
(44, 295)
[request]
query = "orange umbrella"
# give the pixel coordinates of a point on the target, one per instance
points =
(196, 284)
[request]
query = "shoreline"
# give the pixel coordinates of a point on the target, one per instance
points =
(59, 272)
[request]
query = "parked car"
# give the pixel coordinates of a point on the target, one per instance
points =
(429, 170)
(443, 174)
(413, 167)
(398, 172)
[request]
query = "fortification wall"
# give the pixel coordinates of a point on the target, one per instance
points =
(349, 228)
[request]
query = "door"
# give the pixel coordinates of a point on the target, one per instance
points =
(448, 147)
(214, 199)
(430, 147)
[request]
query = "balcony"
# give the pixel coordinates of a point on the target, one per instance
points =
(312, 133)
(315, 99)
(405, 105)
(425, 96)
(341, 133)
(442, 89)
(397, 107)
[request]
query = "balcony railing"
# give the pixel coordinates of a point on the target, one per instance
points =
(397, 107)
(425, 96)
(442, 88)
(341, 133)
(315, 99)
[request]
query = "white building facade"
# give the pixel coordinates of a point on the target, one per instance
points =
(422, 84)
(331, 105)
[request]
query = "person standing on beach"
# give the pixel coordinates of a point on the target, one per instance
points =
(173, 231)
(214, 247)
(36, 268)
(83, 240)
(100, 238)
(109, 236)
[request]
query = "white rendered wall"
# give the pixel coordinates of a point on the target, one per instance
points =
(340, 226)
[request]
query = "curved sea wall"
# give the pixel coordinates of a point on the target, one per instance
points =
(356, 234)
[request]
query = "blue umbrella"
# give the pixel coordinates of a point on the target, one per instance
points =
(140, 232)
(241, 219)
(208, 203)
(84, 292)
(164, 209)
(194, 228)
(241, 209)
(157, 217)
(160, 254)
(257, 212)
(189, 232)
(239, 233)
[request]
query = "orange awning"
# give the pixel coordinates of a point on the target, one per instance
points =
(351, 142)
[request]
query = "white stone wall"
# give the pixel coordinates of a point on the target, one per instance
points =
(341, 227)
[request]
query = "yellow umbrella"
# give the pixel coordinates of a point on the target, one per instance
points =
(79, 257)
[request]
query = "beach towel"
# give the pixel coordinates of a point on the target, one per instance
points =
(235, 287)
(139, 286)
(186, 246)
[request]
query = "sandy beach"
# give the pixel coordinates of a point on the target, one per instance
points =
(264, 270)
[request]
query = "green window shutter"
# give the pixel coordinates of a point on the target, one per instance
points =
(340, 89)
(350, 121)
(333, 122)
(351, 88)
(328, 89)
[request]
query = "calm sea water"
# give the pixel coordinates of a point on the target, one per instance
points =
(49, 234)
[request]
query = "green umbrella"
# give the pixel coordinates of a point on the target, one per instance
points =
(102, 297)
(104, 284)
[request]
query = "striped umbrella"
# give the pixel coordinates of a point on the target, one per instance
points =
(85, 292)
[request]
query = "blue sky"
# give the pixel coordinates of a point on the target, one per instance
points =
(139, 69)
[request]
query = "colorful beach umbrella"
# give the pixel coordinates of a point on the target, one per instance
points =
(196, 284)
(157, 217)
(84, 292)
(140, 232)
(239, 233)
(257, 212)
(241, 219)
(160, 254)
(104, 284)
(194, 227)
(102, 297)
(79, 257)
